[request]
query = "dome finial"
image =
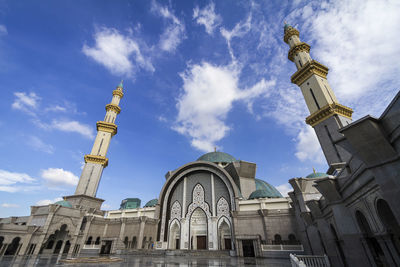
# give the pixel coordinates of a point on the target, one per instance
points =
(314, 170)
(215, 149)
(121, 84)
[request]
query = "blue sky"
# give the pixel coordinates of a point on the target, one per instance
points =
(197, 75)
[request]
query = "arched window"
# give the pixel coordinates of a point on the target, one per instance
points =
(277, 239)
(389, 221)
(50, 244)
(144, 242)
(89, 240)
(373, 245)
(292, 239)
(126, 240)
(12, 248)
(97, 242)
(134, 242)
(58, 247)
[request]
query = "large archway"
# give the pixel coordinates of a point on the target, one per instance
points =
(12, 249)
(174, 235)
(224, 235)
(198, 229)
(389, 221)
(179, 187)
(372, 244)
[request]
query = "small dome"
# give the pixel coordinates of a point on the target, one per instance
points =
(287, 26)
(64, 203)
(217, 157)
(263, 185)
(261, 194)
(151, 203)
(317, 175)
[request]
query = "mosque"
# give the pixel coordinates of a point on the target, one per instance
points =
(216, 203)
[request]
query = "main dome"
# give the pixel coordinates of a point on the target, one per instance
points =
(217, 157)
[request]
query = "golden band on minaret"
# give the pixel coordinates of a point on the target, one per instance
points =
(301, 47)
(289, 33)
(96, 160)
(118, 92)
(107, 127)
(310, 68)
(328, 111)
(113, 107)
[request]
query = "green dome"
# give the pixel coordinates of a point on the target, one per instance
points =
(264, 189)
(317, 175)
(64, 203)
(286, 27)
(217, 157)
(151, 203)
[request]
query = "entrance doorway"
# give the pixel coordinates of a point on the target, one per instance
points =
(201, 242)
(228, 244)
(174, 235)
(248, 248)
(106, 248)
(198, 229)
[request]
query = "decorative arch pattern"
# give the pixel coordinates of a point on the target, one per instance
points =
(198, 202)
(222, 207)
(176, 210)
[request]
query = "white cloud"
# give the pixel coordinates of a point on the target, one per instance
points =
(9, 205)
(352, 39)
(56, 108)
(174, 33)
(162, 118)
(208, 94)
(207, 17)
(239, 30)
(14, 181)
(72, 126)
(45, 202)
(284, 189)
(37, 144)
(359, 48)
(120, 54)
(308, 147)
(59, 177)
(26, 102)
(3, 30)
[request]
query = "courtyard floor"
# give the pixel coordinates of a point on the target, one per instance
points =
(148, 261)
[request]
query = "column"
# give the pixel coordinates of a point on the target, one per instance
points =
(141, 231)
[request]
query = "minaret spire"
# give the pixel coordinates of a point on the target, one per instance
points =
(96, 161)
(327, 116)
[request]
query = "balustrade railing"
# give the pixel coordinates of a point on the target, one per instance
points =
(282, 247)
(309, 261)
(91, 246)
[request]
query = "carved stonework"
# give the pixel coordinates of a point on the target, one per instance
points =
(198, 202)
(176, 211)
(222, 207)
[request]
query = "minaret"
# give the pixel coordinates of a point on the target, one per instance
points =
(327, 116)
(96, 161)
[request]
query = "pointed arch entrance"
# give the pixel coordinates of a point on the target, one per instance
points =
(224, 234)
(174, 235)
(198, 229)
